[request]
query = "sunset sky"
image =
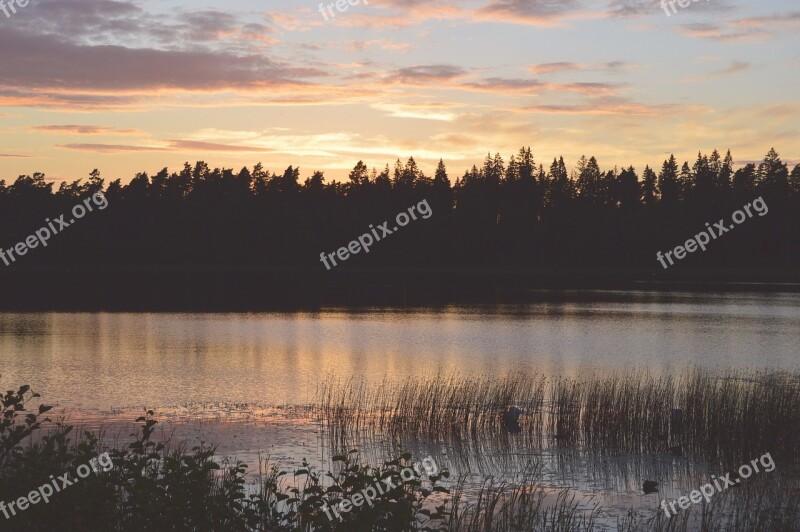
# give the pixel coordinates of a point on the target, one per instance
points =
(128, 86)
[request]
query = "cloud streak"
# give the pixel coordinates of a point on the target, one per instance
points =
(83, 130)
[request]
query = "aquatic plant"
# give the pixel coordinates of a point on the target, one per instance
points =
(729, 416)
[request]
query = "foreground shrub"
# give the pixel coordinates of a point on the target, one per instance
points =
(150, 485)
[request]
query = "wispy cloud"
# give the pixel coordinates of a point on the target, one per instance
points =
(193, 145)
(644, 8)
(426, 74)
(422, 111)
(782, 20)
(734, 68)
(83, 130)
(566, 66)
(716, 32)
(389, 79)
(109, 148)
(537, 12)
(533, 86)
(603, 106)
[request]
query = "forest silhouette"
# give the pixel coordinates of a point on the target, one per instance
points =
(515, 222)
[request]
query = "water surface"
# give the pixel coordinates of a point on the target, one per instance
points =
(106, 361)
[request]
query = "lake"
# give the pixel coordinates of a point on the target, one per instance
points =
(104, 361)
(240, 380)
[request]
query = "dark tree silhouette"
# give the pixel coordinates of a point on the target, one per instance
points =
(649, 187)
(496, 218)
(668, 182)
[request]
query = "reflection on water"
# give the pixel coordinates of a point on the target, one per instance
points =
(109, 361)
(209, 375)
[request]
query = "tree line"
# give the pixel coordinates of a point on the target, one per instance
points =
(505, 215)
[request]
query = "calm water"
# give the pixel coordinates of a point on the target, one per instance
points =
(104, 361)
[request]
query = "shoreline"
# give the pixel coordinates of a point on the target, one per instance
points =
(251, 290)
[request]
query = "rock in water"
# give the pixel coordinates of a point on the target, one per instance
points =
(512, 414)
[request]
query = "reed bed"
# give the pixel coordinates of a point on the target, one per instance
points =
(732, 416)
(618, 410)
(739, 415)
(765, 505)
(759, 506)
(522, 506)
(441, 407)
(722, 420)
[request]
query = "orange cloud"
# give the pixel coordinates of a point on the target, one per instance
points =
(84, 130)
(718, 33)
(109, 148)
(604, 106)
(193, 145)
(557, 68)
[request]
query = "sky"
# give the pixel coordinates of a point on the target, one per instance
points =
(127, 86)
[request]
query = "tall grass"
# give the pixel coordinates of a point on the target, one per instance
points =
(519, 506)
(758, 506)
(729, 416)
(157, 486)
(448, 407)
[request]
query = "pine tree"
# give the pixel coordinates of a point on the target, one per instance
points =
(725, 174)
(527, 166)
(315, 184)
(685, 181)
(773, 174)
(794, 180)
(561, 189)
(744, 182)
(259, 181)
(627, 190)
(649, 186)
(398, 174)
(383, 182)
(359, 177)
(440, 177)
(589, 184)
(411, 173)
(668, 182)
(704, 173)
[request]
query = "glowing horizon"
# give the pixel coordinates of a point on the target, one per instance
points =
(129, 86)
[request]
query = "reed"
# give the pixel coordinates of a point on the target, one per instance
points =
(441, 407)
(730, 416)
